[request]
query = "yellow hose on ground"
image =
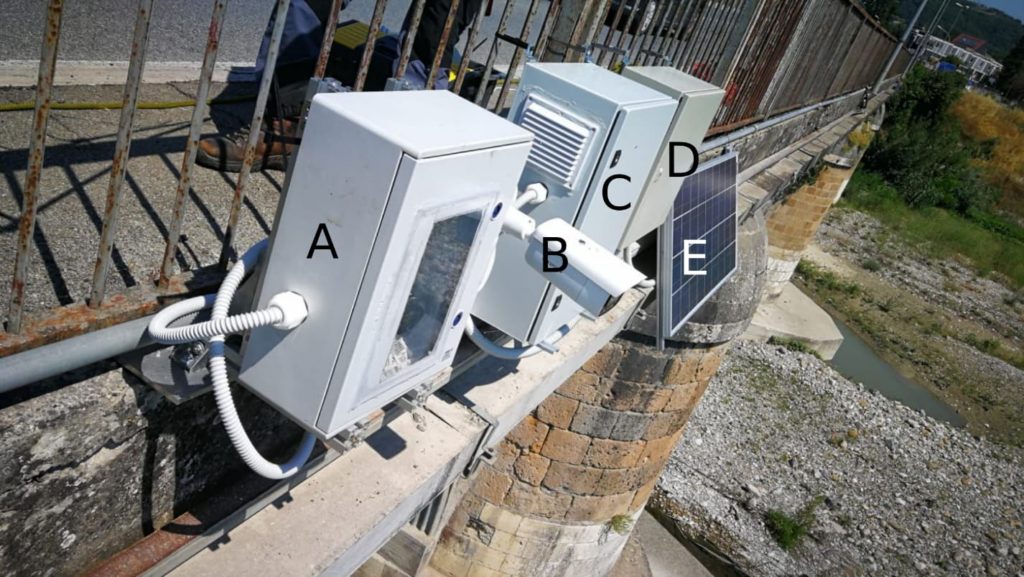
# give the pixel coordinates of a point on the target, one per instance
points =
(30, 105)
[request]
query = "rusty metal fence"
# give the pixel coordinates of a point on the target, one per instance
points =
(771, 56)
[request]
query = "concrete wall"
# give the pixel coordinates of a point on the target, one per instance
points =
(92, 466)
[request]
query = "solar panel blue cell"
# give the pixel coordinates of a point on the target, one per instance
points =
(704, 209)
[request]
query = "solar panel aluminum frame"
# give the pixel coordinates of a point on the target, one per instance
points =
(666, 250)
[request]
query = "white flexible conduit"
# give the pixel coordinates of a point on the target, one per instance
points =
(508, 353)
(216, 329)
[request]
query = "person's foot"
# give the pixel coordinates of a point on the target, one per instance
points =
(273, 146)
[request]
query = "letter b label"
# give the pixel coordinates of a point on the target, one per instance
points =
(558, 253)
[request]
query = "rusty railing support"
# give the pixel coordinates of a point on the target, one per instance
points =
(122, 152)
(227, 247)
(371, 43)
(37, 149)
(442, 46)
(517, 54)
(191, 145)
(483, 93)
(467, 53)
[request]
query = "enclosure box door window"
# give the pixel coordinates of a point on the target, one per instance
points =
(392, 213)
(591, 128)
(698, 103)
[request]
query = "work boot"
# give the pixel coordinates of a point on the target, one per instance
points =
(273, 147)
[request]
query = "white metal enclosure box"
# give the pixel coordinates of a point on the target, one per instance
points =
(698, 103)
(596, 136)
(392, 212)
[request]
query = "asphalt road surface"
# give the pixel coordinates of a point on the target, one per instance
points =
(100, 30)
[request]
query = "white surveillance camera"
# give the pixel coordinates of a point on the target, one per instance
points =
(582, 269)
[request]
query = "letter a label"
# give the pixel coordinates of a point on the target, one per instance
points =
(322, 241)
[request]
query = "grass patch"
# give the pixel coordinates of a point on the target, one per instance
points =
(989, 242)
(825, 280)
(793, 345)
(621, 524)
(789, 530)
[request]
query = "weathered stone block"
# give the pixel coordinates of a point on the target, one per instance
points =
(531, 468)
(709, 364)
(598, 509)
(529, 500)
(604, 363)
(682, 397)
(594, 421)
(529, 434)
(575, 479)
(682, 368)
(628, 396)
(643, 494)
(565, 446)
(610, 454)
(642, 365)
(581, 386)
(504, 456)
(482, 570)
(664, 424)
(630, 426)
(659, 449)
(490, 484)
(557, 410)
(614, 481)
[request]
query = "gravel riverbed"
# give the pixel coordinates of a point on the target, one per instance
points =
(885, 489)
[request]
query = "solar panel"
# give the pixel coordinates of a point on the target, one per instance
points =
(704, 213)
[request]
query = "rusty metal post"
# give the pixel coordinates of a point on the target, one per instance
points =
(605, 52)
(668, 18)
(37, 148)
(227, 247)
(625, 32)
(410, 37)
(517, 54)
(600, 15)
(467, 53)
(122, 151)
(669, 35)
(573, 45)
(483, 92)
(554, 8)
(371, 42)
(189, 156)
(443, 44)
(328, 40)
(640, 35)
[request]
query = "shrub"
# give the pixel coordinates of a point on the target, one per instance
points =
(793, 345)
(788, 530)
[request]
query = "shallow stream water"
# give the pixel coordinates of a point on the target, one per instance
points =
(858, 362)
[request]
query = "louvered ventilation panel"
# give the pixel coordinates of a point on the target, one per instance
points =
(560, 142)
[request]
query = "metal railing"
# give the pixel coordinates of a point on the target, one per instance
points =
(771, 56)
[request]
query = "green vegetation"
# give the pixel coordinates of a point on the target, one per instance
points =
(939, 232)
(920, 150)
(1011, 79)
(825, 279)
(887, 13)
(945, 173)
(793, 345)
(788, 530)
(621, 524)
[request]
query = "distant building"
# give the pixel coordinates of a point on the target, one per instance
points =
(980, 67)
(970, 42)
